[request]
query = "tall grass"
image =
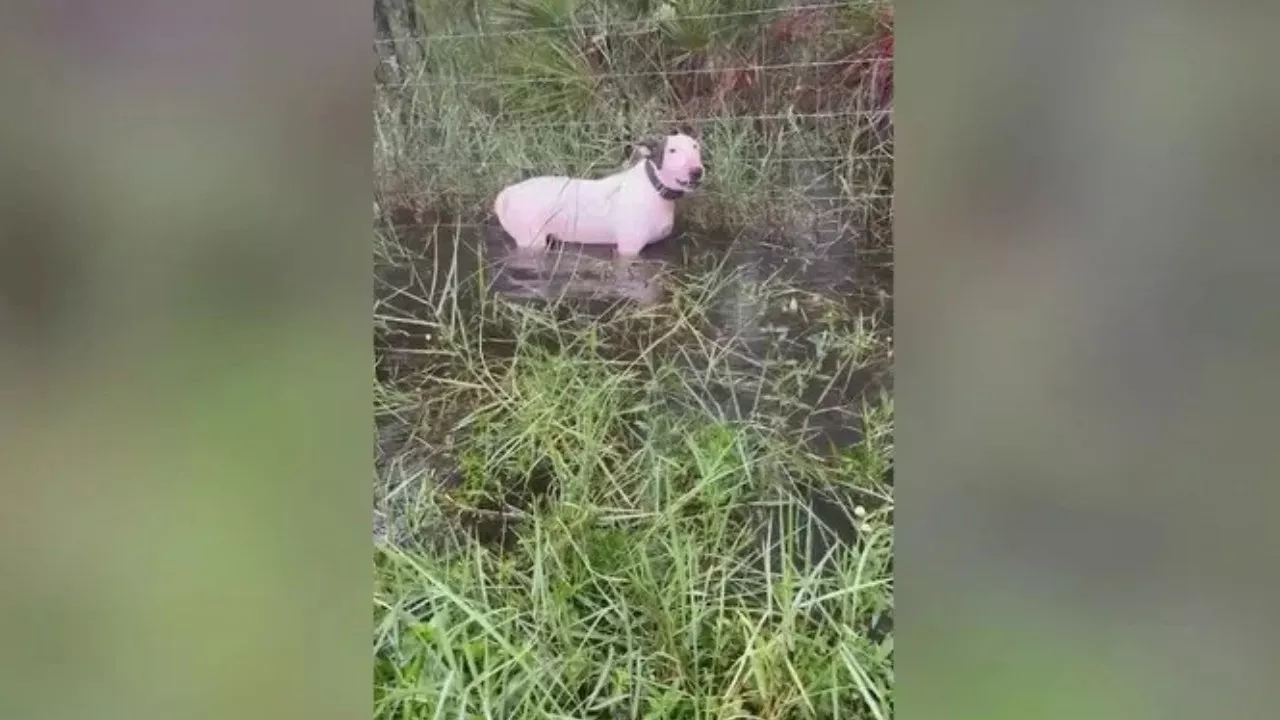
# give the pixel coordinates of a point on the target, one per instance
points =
(673, 509)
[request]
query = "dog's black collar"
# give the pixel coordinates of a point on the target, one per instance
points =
(666, 192)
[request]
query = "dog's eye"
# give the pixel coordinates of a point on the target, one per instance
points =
(671, 150)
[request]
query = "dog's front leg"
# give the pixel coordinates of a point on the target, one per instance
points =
(630, 245)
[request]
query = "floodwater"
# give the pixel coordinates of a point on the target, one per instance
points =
(832, 254)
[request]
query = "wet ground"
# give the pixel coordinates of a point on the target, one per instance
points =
(832, 255)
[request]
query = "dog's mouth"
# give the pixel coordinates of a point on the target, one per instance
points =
(689, 184)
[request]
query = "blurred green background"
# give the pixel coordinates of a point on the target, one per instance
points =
(184, 429)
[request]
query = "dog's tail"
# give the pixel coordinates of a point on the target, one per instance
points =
(499, 203)
(499, 209)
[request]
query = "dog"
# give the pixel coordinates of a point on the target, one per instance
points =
(629, 209)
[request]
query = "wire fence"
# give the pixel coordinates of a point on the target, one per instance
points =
(796, 98)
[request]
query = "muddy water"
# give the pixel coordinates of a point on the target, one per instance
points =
(834, 254)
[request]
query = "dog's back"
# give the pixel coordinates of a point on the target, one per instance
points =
(570, 209)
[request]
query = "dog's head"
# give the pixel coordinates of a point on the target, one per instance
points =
(678, 160)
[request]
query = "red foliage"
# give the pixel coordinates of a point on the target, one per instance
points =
(799, 26)
(864, 69)
(870, 67)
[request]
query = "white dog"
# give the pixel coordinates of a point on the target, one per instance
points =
(628, 210)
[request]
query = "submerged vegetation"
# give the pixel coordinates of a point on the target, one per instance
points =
(679, 508)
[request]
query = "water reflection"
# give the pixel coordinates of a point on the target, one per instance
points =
(587, 273)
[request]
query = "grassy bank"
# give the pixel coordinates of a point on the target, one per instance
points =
(644, 510)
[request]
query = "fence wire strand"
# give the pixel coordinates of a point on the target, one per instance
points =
(711, 71)
(802, 160)
(640, 26)
(696, 121)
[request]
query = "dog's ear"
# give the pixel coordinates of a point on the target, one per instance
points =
(633, 152)
(688, 128)
(657, 149)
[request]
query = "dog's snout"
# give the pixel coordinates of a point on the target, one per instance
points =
(696, 174)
